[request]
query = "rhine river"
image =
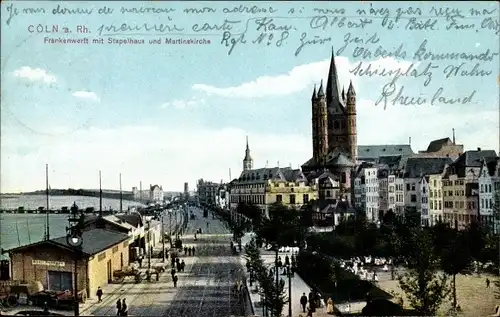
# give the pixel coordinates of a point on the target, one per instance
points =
(21, 229)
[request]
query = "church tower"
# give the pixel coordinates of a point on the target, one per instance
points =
(247, 161)
(352, 135)
(320, 125)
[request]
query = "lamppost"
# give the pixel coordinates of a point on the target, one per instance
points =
(170, 226)
(163, 237)
(289, 273)
(75, 240)
(149, 245)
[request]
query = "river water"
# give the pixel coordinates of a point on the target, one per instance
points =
(21, 229)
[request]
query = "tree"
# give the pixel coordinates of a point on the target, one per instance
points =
(273, 294)
(282, 228)
(455, 258)
(422, 284)
(306, 214)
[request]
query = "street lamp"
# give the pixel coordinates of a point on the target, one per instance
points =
(75, 241)
(170, 226)
(163, 237)
(289, 273)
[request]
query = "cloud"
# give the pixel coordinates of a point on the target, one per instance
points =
(296, 80)
(183, 103)
(35, 75)
(89, 95)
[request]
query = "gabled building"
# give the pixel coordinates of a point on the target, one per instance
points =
(461, 187)
(416, 178)
(374, 153)
(156, 193)
(489, 185)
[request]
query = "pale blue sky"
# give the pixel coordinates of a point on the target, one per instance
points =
(157, 116)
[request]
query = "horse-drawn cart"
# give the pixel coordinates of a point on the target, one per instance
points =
(12, 291)
(120, 275)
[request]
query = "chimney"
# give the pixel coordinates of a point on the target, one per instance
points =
(409, 140)
(453, 135)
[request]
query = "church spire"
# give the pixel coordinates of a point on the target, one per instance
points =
(314, 96)
(332, 85)
(247, 161)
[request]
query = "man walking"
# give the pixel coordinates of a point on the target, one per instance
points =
(124, 308)
(487, 283)
(174, 279)
(303, 302)
(118, 307)
(99, 295)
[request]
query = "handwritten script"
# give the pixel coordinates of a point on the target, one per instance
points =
(370, 33)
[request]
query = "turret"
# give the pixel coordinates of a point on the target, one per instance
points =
(315, 95)
(322, 125)
(351, 122)
(343, 94)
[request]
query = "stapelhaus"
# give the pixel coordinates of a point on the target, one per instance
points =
(52, 262)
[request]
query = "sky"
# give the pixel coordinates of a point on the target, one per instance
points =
(172, 113)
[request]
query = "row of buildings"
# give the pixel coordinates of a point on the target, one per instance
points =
(443, 183)
(153, 195)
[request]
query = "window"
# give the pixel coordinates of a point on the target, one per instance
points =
(432, 205)
(336, 125)
(279, 198)
(407, 186)
(413, 198)
(434, 183)
(328, 193)
(306, 198)
(101, 256)
(489, 188)
(439, 205)
(292, 199)
(430, 194)
(413, 187)
(115, 249)
(482, 188)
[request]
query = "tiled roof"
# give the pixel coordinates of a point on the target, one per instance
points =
(134, 219)
(277, 173)
(373, 152)
(492, 165)
(94, 241)
(474, 158)
(417, 166)
(340, 160)
(436, 145)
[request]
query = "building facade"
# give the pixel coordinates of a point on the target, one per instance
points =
(461, 188)
(207, 192)
(443, 148)
(435, 198)
(264, 186)
(489, 186)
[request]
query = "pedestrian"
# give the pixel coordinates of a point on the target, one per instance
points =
(309, 312)
(287, 260)
(119, 307)
(185, 250)
(183, 265)
(174, 279)
(178, 264)
(172, 261)
(99, 294)
(188, 251)
(140, 262)
(172, 272)
(303, 302)
(192, 250)
(487, 283)
(45, 308)
(124, 308)
(329, 309)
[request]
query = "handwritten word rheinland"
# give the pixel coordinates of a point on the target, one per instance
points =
(391, 95)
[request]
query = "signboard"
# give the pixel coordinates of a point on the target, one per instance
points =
(48, 263)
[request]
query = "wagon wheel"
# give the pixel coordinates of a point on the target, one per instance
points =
(11, 301)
